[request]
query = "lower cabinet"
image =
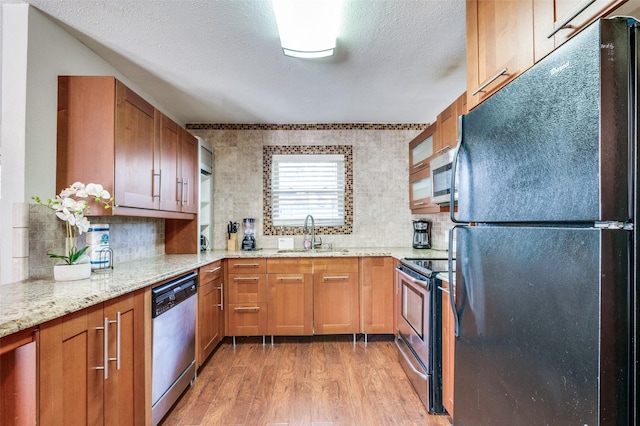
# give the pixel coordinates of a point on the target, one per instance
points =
(448, 349)
(210, 310)
(336, 305)
(92, 365)
(290, 296)
(376, 295)
(18, 378)
(247, 297)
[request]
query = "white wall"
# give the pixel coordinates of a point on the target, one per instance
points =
(35, 51)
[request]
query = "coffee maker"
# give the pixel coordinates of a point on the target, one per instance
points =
(421, 234)
(249, 240)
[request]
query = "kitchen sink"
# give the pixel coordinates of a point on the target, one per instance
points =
(318, 250)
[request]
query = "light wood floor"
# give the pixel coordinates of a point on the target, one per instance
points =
(303, 381)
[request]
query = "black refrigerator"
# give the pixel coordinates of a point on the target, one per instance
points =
(546, 287)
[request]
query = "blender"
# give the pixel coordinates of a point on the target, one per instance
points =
(249, 240)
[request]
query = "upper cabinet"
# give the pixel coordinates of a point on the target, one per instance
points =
(555, 21)
(421, 148)
(108, 134)
(447, 135)
(499, 45)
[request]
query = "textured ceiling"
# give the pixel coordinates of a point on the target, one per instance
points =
(397, 61)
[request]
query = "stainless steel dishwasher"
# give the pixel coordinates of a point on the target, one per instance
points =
(173, 309)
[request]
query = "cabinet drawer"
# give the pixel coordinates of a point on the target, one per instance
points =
(335, 264)
(247, 288)
(210, 272)
(247, 319)
(290, 265)
(250, 266)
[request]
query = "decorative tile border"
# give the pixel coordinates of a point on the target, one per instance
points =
(269, 151)
(317, 126)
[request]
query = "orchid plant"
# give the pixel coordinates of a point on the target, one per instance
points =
(69, 207)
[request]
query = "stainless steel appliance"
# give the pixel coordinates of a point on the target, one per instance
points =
(421, 234)
(419, 339)
(546, 282)
(173, 309)
(441, 167)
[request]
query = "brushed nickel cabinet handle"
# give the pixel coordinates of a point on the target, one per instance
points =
(288, 278)
(221, 305)
(246, 279)
(210, 271)
(247, 309)
(336, 277)
(246, 265)
(105, 353)
(158, 185)
(565, 24)
(504, 71)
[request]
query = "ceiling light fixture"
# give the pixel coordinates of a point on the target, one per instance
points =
(308, 28)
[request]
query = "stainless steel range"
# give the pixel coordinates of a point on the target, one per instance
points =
(419, 337)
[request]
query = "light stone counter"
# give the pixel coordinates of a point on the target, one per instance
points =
(29, 303)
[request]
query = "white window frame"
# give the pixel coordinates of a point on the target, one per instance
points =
(308, 184)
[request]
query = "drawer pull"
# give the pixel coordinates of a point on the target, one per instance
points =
(491, 80)
(289, 279)
(246, 265)
(336, 277)
(246, 279)
(210, 271)
(565, 24)
(247, 309)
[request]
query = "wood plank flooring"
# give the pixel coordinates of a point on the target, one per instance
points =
(320, 380)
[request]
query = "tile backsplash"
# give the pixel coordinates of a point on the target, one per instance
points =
(381, 214)
(130, 238)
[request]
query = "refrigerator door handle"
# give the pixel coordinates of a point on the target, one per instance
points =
(454, 166)
(452, 293)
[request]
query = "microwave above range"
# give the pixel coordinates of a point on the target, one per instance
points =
(441, 167)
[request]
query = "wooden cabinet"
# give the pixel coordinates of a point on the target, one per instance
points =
(210, 328)
(499, 45)
(336, 304)
(555, 21)
(447, 135)
(18, 354)
(247, 296)
(448, 349)
(290, 296)
(108, 134)
(92, 365)
(421, 148)
(376, 295)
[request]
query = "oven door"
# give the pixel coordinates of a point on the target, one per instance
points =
(414, 322)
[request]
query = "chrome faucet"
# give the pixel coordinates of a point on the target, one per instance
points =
(314, 244)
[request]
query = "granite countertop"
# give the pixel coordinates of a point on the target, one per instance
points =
(28, 303)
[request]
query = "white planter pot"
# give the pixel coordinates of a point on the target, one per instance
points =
(79, 271)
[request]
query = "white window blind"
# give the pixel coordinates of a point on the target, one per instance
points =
(308, 184)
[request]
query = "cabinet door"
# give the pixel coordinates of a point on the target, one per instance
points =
(499, 44)
(555, 21)
(170, 181)
(247, 288)
(137, 178)
(421, 148)
(72, 361)
(290, 299)
(124, 399)
(376, 290)
(247, 319)
(447, 136)
(18, 400)
(448, 350)
(420, 192)
(336, 305)
(189, 172)
(210, 308)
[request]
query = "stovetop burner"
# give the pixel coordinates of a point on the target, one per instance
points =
(427, 267)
